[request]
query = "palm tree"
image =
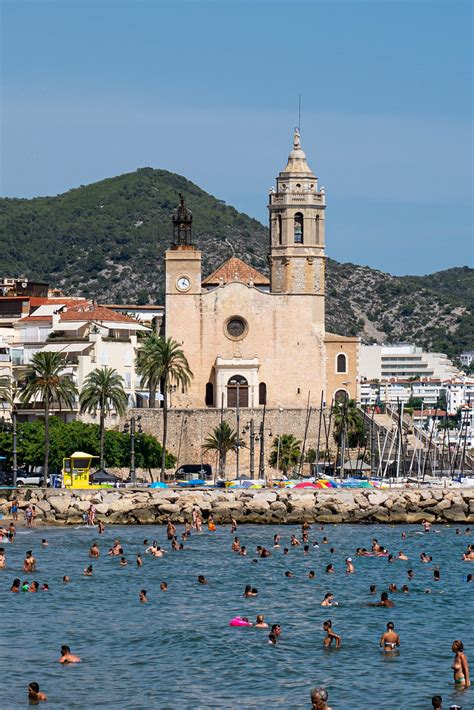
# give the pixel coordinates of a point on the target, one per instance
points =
(46, 382)
(348, 420)
(285, 453)
(103, 390)
(162, 361)
(147, 363)
(222, 439)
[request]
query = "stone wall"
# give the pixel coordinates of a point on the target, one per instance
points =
(188, 428)
(126, 506)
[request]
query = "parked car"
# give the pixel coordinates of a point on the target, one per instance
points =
(193, 471)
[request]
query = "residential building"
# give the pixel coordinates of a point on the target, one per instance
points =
(403, 360)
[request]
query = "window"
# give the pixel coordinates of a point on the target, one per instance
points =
(262, 393)
(341, 363)
(298, 228)
(340, 396)
(236, 328)
(209, 395)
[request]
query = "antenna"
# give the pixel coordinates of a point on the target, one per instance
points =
(299, 113)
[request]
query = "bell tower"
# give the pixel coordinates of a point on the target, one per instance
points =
(296, 212)
(183, 260)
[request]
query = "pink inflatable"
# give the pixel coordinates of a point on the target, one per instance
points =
(238, 621)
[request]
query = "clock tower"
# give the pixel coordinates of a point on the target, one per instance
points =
(183, 260)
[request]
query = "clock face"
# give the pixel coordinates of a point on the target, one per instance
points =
(183, 283)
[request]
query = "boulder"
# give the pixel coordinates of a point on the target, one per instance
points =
(144, 516)
(455, 514)
(60, 503)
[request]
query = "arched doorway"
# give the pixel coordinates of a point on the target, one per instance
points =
(237, 391)
(341, 396)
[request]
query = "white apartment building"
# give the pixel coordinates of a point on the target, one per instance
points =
(86, 336)
(403, 361)
(466, 358)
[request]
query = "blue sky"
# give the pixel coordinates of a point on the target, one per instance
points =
(96, 88)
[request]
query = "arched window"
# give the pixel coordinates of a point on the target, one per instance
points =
(317, 229)
(341, 363)
(298, 229)
(237, 391)
(280, 235)
(340, 396)
(209, 395)
(262, 393)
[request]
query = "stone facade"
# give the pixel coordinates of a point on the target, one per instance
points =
(271, 338)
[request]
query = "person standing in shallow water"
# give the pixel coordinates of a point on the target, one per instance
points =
(460, 665)
(319, 697)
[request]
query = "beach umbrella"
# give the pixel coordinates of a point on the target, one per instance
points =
(158, 484)
(306, 484)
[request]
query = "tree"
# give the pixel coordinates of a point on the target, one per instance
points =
(103, 390)
(349, 420)
(285, 453)
(46, 382)
(222, 439)
(161, 360)
(147, 362)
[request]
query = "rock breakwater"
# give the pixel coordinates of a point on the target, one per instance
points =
(127, 506)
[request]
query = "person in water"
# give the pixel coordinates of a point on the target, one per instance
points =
(319, 697)
(88, 571)
(202, 580)
(142, 596)
(437, 702)
(330, 635)
(250, 591)
(260, 622)
(94, 551)
(460, 665)
(139, 561)
(328, 600)
(350, 569)
(384, 601)
(164, 586)
(390, 640)
(67, 656)
(35, 695)
(16, 585)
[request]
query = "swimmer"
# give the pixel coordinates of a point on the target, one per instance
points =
(87, 571)
(233, 525)
(384, 601)
(116, 549)
(272, 639)
(164, 586)
(401, 556)
(170, 530)
(425, 558)
(34, 586)
(405, 589)
(332, 550)
(375, 546)
(426, 525)
(94, 551)
(123, 562)
(392, 587)
(35, 695)
(100, 527)
(325, 541)
(330, 635)
(316, 545)
(202, 580)
(243, 551)
(469, 578)
(15, 588)
(328, 600)
(265, 553)
(288, 574)
(350, 569)
(373, 589)
(436, 575)
(390, 640)
(67, 656)
(260, 622)
(65, 579)
(285, 551)
(468, 556)
(330, 569)
(3, 558)
(306, 550)
(25, 586)
(437, 702)
(276, 629)
(319, 697)
(294, 541)
(44, 542)
(460, 665)
(410, 574)
(142, 596)
(139, 561)
(45, 587)
(276, 541)
(250, 591)
(311, 574)
(235, 547)
(29, 563)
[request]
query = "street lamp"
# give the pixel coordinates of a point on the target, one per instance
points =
(132, 426)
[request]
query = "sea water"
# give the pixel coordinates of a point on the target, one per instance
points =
(178, 651)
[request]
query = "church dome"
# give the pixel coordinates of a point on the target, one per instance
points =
(297, 158)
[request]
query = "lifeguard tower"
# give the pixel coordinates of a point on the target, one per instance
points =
(76, 470)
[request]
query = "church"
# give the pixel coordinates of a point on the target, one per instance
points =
(257, 341)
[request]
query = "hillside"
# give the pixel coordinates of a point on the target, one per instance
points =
(107, 241)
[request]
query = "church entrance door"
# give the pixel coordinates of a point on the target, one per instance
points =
(237, 391)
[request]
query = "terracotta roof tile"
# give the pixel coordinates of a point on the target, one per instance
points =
(235, 269)
(90, 311)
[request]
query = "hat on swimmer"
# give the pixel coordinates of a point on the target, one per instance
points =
(349, 559)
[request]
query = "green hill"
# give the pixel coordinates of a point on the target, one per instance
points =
(107, 241)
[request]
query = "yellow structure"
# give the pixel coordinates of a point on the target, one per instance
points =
(76, 470)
